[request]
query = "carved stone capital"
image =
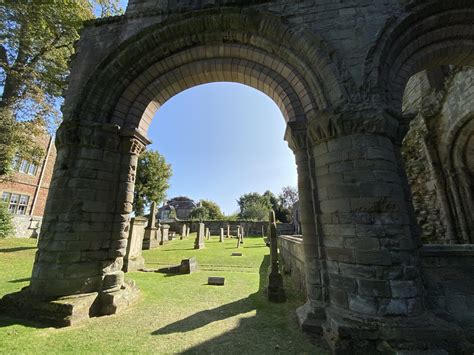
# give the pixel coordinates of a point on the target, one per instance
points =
(78, 133)
(133, 141)
(327, 125)
(296, 135)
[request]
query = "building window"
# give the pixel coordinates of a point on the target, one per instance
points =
(24, 166)
(17, 204)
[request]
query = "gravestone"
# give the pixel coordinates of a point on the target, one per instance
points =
(242, 235)
(164, 234)
(216, 281)
(236, 254)
(150, 239)
(228, 231)
(238, 242)
(183, 231)
(199, 242)
(208, 234)
(221, 238)
(275, 291)
(134, 260)
(188, 231)
(188, 266)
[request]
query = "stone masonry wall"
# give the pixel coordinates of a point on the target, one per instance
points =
(250, 227)
(447, 274)
(292, 255)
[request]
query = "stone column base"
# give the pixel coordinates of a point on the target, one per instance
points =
(395, 335)
(310, 319)
(68, 310)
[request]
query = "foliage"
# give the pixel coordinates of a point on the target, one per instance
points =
(36, 43)
(199, 213)
(152, 180)
(6, 226)
(288, 196)
(215, 212)
(254, 206)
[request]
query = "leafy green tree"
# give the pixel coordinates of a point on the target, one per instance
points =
(288, 196)
(152, 180)
(200, 213)
(6, 226)
(215, 212)
(36, 42)
(254, 206)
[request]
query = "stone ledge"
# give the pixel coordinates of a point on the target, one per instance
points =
(443, 250)
(69, 310)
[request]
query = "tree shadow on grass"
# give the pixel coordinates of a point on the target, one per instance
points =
(7, 321)
(26, 279)
(12, 250)
(265, 331)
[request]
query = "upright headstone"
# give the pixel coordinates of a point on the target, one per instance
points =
(238, 242)
(275, 291)
(263, 232)
(199, 242)
(164, 234)
(242, 235)
(221, 238)
(183, 231)
(228, 231)
(208, 234)
(133, 259)
(150, 239)
(188, 231)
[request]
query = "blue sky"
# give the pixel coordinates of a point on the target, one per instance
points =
(223, 140)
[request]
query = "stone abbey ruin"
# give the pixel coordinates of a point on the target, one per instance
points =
(351, 78)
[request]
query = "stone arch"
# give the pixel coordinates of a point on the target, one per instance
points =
(430, 35)
(283, 63)
(460, 172)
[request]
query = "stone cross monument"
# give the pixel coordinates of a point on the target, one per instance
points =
(275, 291)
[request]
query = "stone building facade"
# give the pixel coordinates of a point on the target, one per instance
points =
(338, 71)
(180, 207)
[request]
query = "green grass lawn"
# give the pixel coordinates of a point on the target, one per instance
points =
(175, 313)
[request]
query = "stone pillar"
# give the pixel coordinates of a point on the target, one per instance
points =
(183, 231)
(228, 231)
(312, 314)
(368, 235)
(199, 242)
(221, 238)
(85, 230)
(188, 231)
(208, 234)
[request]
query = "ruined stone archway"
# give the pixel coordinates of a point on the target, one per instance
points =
(336, 71)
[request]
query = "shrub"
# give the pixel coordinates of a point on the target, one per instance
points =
(6, 226)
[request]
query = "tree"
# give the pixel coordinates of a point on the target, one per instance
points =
(199, 213)
(215, 212)
(288, 196)
(6, 226)
(36, 41)
(254, 206)
(152, 180)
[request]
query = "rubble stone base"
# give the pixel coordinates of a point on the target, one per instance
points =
(425, 333)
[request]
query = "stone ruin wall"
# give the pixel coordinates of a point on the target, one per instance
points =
(456, 102)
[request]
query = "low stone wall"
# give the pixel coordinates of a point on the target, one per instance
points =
(26, 226)
(292, 256)
(448, 273)
(250, 227)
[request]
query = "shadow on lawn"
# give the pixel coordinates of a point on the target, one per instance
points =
(20, 280)
(12, 250)
(260, 332)
(203, 318)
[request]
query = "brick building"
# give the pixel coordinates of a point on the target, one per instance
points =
(26, 192)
